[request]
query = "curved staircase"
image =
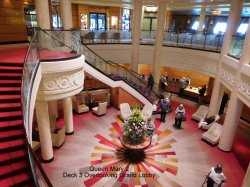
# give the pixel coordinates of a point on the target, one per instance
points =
(14, 166)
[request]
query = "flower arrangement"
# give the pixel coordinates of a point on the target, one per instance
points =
(134, 129)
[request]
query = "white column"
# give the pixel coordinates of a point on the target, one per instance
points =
(159, 36)
(235, 105)
(53, 108)
(232, 23)
(66, 13)
(246, 182)
(42, 114)
(136, 34)
(42, 14)
(68, 116)
(202, 19)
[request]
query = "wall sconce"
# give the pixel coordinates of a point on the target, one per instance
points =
(188, 21)
(211, 22)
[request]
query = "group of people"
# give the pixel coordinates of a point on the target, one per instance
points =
(180, 114)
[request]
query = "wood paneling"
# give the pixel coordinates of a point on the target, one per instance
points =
(245, 114)
(118, 96)
(75, 19)
(12, 22)
(86, 9)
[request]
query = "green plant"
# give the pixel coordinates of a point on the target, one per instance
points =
(134, 129)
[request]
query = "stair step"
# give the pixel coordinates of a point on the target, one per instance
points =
(13, 83)
(10, 70)
(11, 76)
(10, 125)
(10, 92)
(22, 179)
(6, 159)
(11, 118)
(10, 109)
(12, 146)
(6, 97)
(13, 169)
(25, 183)
(10, 114)
(12, 135)
(3, 89)
(12, 64)
(10, 105)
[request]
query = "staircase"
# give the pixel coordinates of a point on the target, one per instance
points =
(14, 166)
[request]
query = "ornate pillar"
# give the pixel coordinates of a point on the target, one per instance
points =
(232, 24)
(43, 122)
(42, 14)
(68, 116)
(235, 104)
(159, 36)
(66, 13)
(136, 34)
(202, 19)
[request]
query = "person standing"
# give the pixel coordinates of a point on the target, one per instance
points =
(216, 177)
(223, 103)
(182, 86)
(164, 109)
(150, 81)
(163, 83)
(202, 91)
(179, 116)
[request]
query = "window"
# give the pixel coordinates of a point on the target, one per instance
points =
(196, 25)
(220, 28)
(242, 29)
(126, 19)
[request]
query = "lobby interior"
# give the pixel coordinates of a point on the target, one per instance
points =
(59, 59)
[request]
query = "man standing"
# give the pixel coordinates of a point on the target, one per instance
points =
(164, 109)
(179, 116)
(216, 176)
(150, 83)
(182, 86)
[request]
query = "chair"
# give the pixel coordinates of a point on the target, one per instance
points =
(147, 112)
(58, 138)
(100, 109)
(125, 111)
(213, 134)
(79, 103)
(206, 127)
(201, 113)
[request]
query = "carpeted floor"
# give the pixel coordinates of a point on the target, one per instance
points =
(179, 158)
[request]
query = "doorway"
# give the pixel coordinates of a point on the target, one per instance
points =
(97, 21)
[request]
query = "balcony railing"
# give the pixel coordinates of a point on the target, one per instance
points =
(199, 40)
(236, 46)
